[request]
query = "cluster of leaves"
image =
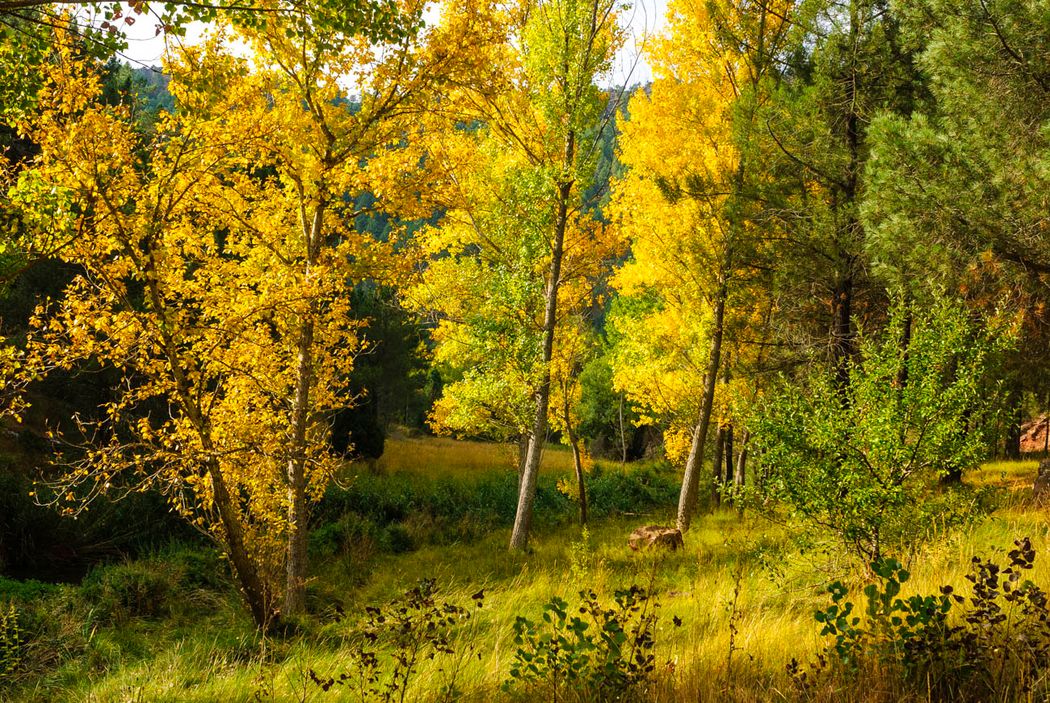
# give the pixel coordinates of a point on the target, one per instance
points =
(996, 641)
(608, 650)
(398, 638)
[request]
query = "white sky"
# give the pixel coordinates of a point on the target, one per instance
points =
(646, 17)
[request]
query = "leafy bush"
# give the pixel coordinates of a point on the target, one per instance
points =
(614, 659)
(994, 644)
(861, 460)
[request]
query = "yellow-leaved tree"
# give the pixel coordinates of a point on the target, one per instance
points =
(217, 256)
(685, 204)
(515, 256)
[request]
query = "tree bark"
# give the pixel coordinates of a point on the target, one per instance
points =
(1046, 430)
(739, 474)
(523, 450)
(519, 537)
(693, 465)
(577, 458)
(244, 568)
(716, 465)
(623, 437)
(298, 512)
(729, 454)
(296, 560)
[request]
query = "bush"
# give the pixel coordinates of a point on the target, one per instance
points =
(992, 645)
(171, 581)
(400, 636)
(614, 660)
(25, 591)
(131, 590)
(861, 459)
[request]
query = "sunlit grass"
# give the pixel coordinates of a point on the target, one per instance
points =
(734, 569)
(1013, 475)
(443, 456)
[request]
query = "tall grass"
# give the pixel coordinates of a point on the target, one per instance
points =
(744, 591)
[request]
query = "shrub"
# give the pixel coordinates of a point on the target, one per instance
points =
(398, 638)
(25, 591)
(994, 644)
(861, 458)
(136, 589)
(614, 660)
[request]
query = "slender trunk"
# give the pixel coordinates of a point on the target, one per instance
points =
(519, 537)
(295, 565)
(523, 449)
(577, 458)
(244, 568)
(716, 465)
(739, 474)
(1013, 430)
(729, 454)
(623, 437)
(1046, 428)
(691, 476)
(842, 338)
(295, 558)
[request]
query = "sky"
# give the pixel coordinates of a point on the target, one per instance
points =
(145, 46)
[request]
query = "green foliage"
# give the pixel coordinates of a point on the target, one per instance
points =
(25, 591)
(998, 644)
(608, 651)
(11, 642)
(604, 412)
(156, 587)
(862, 460)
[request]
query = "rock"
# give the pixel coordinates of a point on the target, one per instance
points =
(655, 535)
(1041, 488)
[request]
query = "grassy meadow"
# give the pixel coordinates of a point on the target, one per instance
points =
(170, 627)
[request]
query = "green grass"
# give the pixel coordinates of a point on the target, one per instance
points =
(738, 577)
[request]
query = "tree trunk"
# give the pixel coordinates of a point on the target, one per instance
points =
(295, 565)
(623, 437)
(577, 458)
(523, 450)
(693, 465)
(1012, 447)
(716, 465)
(1046, 427)
(741, 462)
(842, 330)
(729, 454)
(519, 537)
(244, 568)
(298, 513)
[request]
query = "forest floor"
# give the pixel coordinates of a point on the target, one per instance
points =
(167, 628)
